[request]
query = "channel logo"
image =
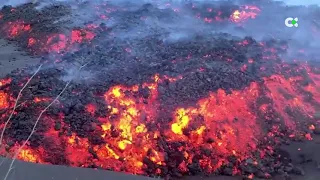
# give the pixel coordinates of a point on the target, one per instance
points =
(291, 22)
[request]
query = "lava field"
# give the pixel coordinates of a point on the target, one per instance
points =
(122, 90)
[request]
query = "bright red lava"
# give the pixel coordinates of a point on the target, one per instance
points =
(229, 121)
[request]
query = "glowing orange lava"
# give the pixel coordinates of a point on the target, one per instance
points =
(224, 118)
(80, 36)
(4, 97)
(41, 99)
(4, 82)
(53, 43)
(245, 12)
(16, 28)
(91, 108)
(29, 156)
(280, 87)
(3, 100)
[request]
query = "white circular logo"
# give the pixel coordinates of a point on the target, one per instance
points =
(291, 22)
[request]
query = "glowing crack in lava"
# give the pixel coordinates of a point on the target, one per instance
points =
(53, 43)
(244, 13)
(28, 155)
(14, 29)
(4, 82)
(3, 100)
(240, 15)
(64, 42)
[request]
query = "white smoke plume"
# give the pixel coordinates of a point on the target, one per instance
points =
(270, 24)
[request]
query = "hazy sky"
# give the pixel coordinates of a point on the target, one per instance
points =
(302, 2)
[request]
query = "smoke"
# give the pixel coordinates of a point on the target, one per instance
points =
(304, 40)
(12, 2)
(182, 24)
(73, 74)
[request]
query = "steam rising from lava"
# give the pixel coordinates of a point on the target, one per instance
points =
(264, 25)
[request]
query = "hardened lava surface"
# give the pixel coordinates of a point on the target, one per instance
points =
(150, 104)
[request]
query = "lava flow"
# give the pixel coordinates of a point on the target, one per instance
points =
(4, 98)
(213, 104)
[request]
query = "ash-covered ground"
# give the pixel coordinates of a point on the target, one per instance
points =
(165, 89)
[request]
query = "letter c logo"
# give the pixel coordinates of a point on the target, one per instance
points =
(288, 23)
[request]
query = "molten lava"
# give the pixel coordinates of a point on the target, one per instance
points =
(4, 82)
(4, 97)
(15, 29)
(3, 100)
(133, 128)
(244, 13)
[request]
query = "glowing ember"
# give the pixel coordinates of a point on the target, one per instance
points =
(79, 36)
(57, 43)
(244, 13)
(38, 99)
(3, 100)
(91, 108)
(4, 97)
(29, 156)
(32, 41)
(4, 82)
(16, 28)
